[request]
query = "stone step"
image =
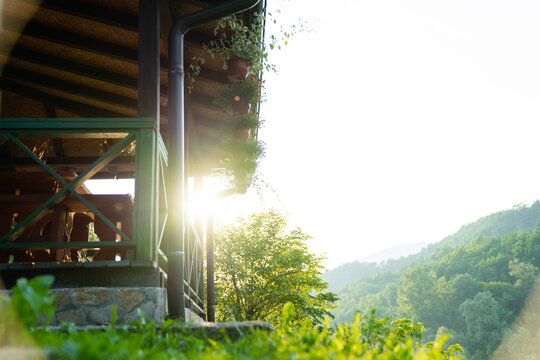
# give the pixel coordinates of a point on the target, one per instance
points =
(229, 329)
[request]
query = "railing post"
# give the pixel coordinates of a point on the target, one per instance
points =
(199, 248)
(144, 221)
(210, 298)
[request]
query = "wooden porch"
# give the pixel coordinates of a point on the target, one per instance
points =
(84, 95)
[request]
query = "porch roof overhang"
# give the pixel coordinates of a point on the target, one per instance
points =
(81, 59)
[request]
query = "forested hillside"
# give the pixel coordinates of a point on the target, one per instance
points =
(473, 291)
(520, 217)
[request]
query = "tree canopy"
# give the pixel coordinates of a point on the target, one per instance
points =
(474, 292)
(260, 266)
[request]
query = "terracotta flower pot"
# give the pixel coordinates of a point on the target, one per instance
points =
(241, 105)
(237, 69)
(242, 133)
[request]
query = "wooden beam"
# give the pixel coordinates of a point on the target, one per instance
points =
(198, 38)
(73, 67)
(67, 86)
(89, 71)
(74, 107)
(90, 11)
(213, 75)
(204, 100)
(106, 16)
(95, 46)
(76, 41)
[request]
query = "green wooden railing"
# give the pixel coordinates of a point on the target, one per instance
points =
(150, 209)
(149, 161)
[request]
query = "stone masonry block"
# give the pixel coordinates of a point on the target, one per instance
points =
(159, 297)
(62, 299)
(128, 298)
(89, 296)
(77, 317)
(103, 315)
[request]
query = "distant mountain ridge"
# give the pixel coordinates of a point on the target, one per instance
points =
(520, 217)
(394, 252)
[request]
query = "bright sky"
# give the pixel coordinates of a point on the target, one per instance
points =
(394, 122)
(399, 121)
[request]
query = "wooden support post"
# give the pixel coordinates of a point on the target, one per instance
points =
(59, 230)
(148, 97)
(146, 188)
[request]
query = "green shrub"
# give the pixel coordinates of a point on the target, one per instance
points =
(32, 300)
(169, 341)
(367, 338)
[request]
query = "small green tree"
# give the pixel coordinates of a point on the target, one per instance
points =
(524, 273)
(485, 330)
(260, 266)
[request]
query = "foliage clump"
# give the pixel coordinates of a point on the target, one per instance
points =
(366, 338)
(260, 266)
(33, 301)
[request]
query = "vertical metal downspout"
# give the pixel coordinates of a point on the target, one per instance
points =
(176, 171)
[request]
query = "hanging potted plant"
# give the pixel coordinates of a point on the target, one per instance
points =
(244, 125)
(242, 161)
(241, 47)
(239, 96)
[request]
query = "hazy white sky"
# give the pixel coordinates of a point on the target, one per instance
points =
(394, 122)
(399, 121)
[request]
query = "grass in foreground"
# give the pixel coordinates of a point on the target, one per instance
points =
(367, 338)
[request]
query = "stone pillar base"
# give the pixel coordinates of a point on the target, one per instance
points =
(94, 305)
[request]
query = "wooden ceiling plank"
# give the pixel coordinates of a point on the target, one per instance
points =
(74, 67)
(73, 40)
(69, 66)
(90, 71)
(75, 107)
(92, 12)
(213, 75)
(204, 100)
(198, 38)
(109, 17)
(58, 84)
(95, 46)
